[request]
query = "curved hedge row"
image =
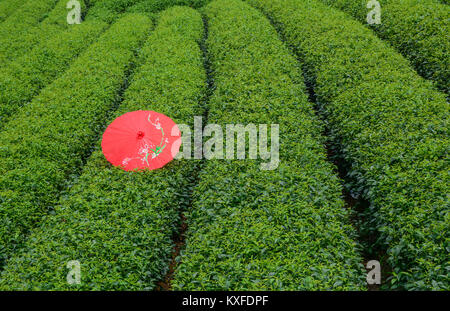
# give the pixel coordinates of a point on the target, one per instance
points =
(45, 142)
(26, 16)
(108, 10)
(118, 224)
(250, 229)
(22, 78)
(417, 28)
(390, 126)
(158, 5)
(22, 30)
(7, 7)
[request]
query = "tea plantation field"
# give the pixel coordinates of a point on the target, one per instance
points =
(363, 170)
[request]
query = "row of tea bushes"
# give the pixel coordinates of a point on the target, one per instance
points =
(7, 7)
(119, 225)
(21, 79)
(254, 229)
(44, 144)
(108, 10)
(24, 17)
(20, 32)
(391, 128)
(158, 5)
(417, 28)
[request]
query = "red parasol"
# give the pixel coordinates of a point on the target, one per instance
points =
(141, 140)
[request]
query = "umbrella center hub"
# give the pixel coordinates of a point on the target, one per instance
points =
(140, 135)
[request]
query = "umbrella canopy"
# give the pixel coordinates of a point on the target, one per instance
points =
(141, 140)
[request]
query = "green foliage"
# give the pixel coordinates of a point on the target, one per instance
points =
(389, 125)
(107, 10)
(45, 142)
(22, 30)
(158, 5)
(119, 224)
(417, 28)
(250, 229)
(22, 79)
(7, 7)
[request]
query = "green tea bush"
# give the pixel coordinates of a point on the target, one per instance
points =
(118, 224)
(158, 5)
(22, 30)
(44, 144)
(7, 7)
(417, 28)
(391, 128)
(250, 229)
(22, 78)
(109, 9)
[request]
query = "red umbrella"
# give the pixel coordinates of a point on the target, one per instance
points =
(141, 140)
